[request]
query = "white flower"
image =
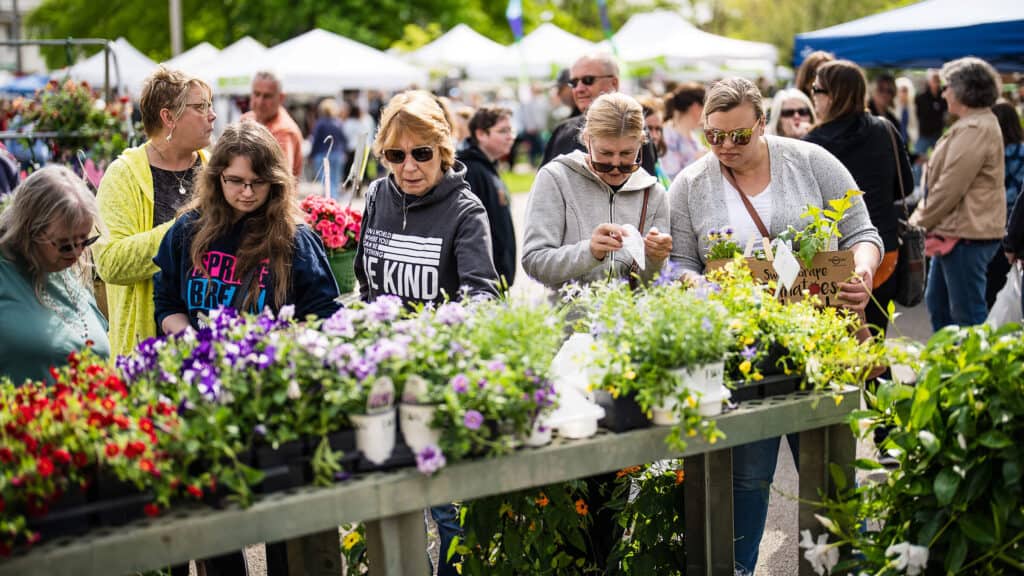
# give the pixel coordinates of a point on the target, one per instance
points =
(909, 558)
(294, 392)
(962, 442)
(822, 556)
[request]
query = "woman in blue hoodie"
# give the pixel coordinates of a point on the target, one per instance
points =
(240, 242)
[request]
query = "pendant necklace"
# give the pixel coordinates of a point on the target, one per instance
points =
(185, 176)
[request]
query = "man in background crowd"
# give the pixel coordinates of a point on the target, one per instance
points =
(931, 116)
(266, 106)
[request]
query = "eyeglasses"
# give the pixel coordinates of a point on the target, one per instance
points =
(69, 247)
(201, 107)
(739, 136)
(421, 155)
(789, 113)
(236, 184)
(818, 90)
(587, 80)
(606, 167)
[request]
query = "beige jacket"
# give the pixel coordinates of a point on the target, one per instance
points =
(966, 194)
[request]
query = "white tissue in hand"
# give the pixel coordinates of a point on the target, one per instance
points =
(785, 265)
(633, 243)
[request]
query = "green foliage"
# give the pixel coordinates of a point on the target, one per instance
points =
(653, 517)
(818, 234)
(958, 490)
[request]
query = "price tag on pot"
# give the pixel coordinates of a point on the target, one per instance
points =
(633, 243)
(786, 266)
(415, 390)
(381, 397)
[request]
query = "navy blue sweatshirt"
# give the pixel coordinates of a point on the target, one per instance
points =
(178, 288)
(422, 248)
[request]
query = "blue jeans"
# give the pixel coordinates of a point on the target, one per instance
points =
(337, 163)
(956, 284)
(447, 518)
(753, 470)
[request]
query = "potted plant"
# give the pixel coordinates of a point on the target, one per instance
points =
(338, 227)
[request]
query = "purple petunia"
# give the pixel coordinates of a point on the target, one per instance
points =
(473, 419)
(460, 383)
(341, 323)
(496, 366)
(749, 352)
(451, 314)
(706, 324)
(430, 459)
(260, 430)
(384, 309)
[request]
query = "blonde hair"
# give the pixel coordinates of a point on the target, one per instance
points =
(421, 114)
(51, 194)
(727, 94)
(327, 108)
(614, 115)
(166, 88)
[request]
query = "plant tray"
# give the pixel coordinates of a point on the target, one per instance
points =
(777, 385)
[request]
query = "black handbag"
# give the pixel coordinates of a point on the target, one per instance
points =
(910, 266)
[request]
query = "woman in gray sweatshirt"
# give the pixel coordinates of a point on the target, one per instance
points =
(581, 201)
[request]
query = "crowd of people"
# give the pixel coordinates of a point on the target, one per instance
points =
(181, 225)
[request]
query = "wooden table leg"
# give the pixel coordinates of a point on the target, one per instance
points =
(819, 447)
(709, 526)
(397, 546)
(315, 554)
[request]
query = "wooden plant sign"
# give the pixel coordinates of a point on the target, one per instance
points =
(822, 278)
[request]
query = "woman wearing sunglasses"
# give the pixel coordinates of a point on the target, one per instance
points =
(792, 114)
(425, 236)
(759, 185)
(581, 201)
(864, 143)
(47, 309)
(142, 191)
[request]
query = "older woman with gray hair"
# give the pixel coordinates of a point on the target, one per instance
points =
(792, 114)
(760, 185)
(964, 209)
(47, 309)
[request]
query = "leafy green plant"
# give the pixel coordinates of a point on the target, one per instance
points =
(649, 502)
(722, 245)
(957, 496)
(818, 234)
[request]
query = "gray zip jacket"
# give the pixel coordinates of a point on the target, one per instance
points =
(567, 203)
(802, 174)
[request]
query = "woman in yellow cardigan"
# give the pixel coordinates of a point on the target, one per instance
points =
(140, 194)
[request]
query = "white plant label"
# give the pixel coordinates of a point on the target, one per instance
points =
(415, 389)
(633, 242)
(786, 266)
(381, 397)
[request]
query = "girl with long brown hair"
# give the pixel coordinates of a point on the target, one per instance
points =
(240, 242)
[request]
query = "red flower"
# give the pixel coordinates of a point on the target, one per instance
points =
(151, 510)
(195, 491)
(146, 425)
(112, 450)
(121, 422)
(93, 369)
(2, 504)
(44, 467)
(109, 404)
(133, 449)
(6, 455)
(33, 537)
(80, 459)
(146, 466)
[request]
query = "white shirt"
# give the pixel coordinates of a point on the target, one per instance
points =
(740, 220)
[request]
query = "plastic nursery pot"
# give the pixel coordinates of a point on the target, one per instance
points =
(540, 434)
(414, 421)
(665, 414)
(375, 435)
(578, 428)
(283, 467)
(622, 413)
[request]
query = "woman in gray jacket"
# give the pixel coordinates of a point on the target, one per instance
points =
(581, 201)
(759, 185)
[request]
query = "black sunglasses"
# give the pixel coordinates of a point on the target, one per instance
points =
(69, 247)
(421, 154)
(789, 113)
(587, 80)
(818, 90)
(606, 167)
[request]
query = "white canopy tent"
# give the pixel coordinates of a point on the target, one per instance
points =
(666, 36)
(540, 53)
(323, 63)
(460, 47)
(130, 71)
(228, 72)
(190, 60)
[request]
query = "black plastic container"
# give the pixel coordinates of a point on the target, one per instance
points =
(118, 502)
(69, 515)
(283, 467)
(777, 385)
(622, 413)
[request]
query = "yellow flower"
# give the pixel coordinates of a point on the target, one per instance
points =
(748, 340)
(809, 345)
(350, 540)
(691, 401)
(691, 432)
(615, 392)
(745, 367)
(757, 377)
(629, 375)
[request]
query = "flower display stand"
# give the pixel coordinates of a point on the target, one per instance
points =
(392, 503)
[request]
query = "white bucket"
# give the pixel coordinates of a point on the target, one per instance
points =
(375, 435)
(414, 421)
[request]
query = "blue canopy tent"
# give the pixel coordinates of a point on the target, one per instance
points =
(25, 85)
(926, 34)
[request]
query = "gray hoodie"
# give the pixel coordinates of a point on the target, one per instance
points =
(427, 247)
(567, 203)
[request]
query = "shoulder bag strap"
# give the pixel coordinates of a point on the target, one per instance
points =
(643, 211)
(899, 165)
(746, 204)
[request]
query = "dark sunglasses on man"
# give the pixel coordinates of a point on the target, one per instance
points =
(587, 80)
(69, 247)
(606, 167)
(420, 154)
